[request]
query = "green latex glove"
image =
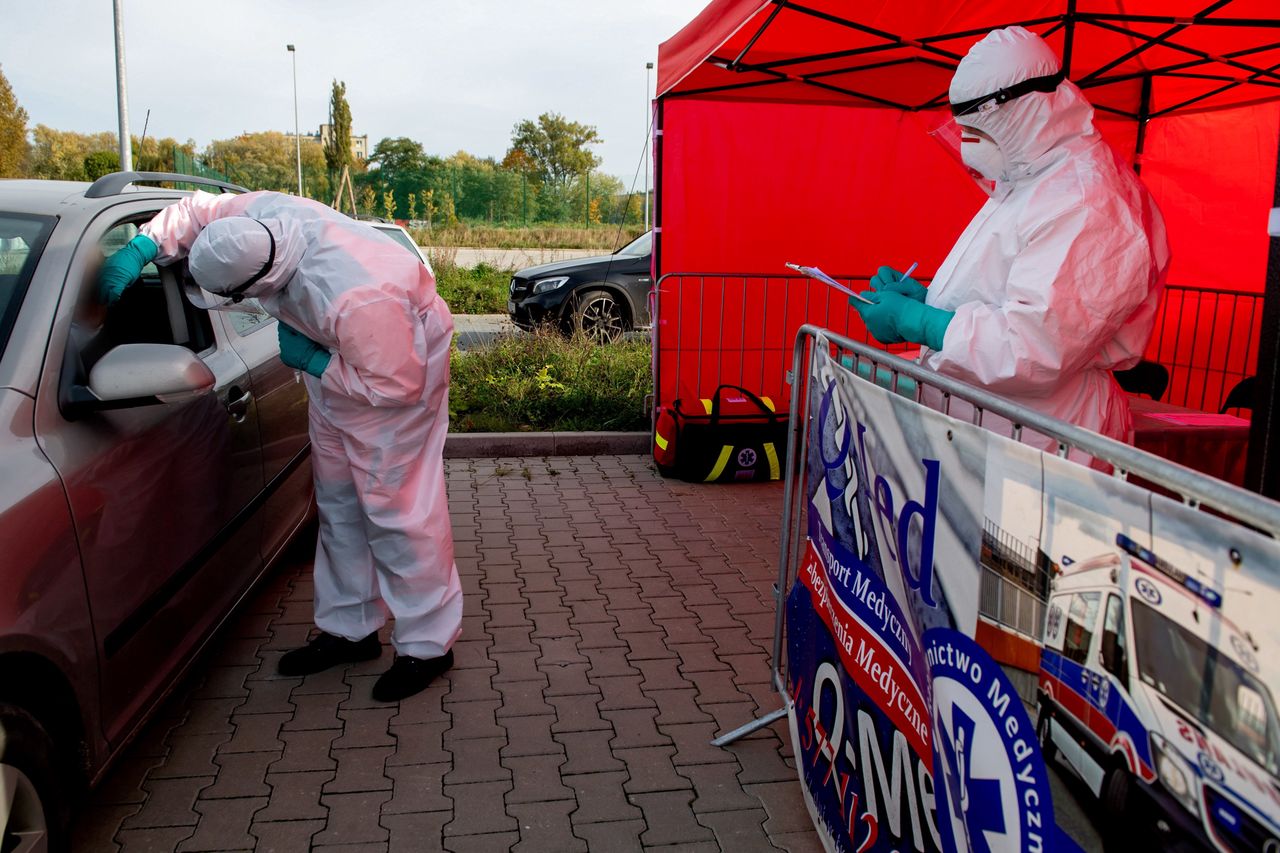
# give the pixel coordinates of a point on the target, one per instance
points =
(123, 268)
(895, 319)
(889, 280)
(300, 352)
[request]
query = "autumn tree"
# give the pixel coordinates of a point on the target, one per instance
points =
(553, 148)
(13, 132)
(266, 161)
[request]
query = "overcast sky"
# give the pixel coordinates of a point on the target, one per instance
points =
(449, 74)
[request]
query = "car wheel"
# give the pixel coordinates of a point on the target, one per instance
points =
(34, 810)
(1115, 793)
(599, 316)
(1045, 733)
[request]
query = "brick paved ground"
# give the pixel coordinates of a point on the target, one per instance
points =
(615, 622)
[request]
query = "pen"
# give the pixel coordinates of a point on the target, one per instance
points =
(909, 271)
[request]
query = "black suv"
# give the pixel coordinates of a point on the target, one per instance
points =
(601, 297)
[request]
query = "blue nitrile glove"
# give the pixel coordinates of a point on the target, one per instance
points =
(300, 352)
(889, 280)
(894, 319)
(123, 268)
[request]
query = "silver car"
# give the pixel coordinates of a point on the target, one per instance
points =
(155, 460)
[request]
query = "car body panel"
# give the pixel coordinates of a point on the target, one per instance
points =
(626, 276)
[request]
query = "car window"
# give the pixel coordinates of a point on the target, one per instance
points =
(1114, 659)
(1081, 620)
(639, 247)
(247, 317)
(22, 238)
(144, 314)
(402, 238)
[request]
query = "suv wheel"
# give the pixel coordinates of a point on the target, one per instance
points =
(1045, 732)
(599, 316)
(34, 811)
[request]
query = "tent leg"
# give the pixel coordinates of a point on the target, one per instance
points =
(753, 726)
(1264, 434)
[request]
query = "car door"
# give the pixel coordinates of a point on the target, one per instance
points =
(157, 492)
(282, 421)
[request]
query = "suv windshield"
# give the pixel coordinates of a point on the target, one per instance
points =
(22, 238)
(639, 247)
(1207, 685)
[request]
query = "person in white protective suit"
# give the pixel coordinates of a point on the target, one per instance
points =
(362, 318)
(1056, 281)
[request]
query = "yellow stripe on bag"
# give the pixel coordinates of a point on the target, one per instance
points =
(768, 401)
(660, 441)
(706, 404)
(720, 463)
(770, 452)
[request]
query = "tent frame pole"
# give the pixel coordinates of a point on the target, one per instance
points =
(1263, 474)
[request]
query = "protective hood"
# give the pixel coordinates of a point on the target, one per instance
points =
(240, 258)
(1033, 128)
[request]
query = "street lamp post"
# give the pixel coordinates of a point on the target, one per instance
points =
(297, 132)
(648, 111)
(122, 95)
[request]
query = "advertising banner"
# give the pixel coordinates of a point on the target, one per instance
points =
(989, 648)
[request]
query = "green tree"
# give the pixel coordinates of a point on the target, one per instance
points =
(397, 157)
(101, 163)
(554, 148)
(337, 151)
(413, 206)
(389, 204)
(369, 201)
(14, 148)
(59, 154)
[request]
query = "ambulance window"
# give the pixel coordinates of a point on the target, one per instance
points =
(1114, 659)
(1081, 619)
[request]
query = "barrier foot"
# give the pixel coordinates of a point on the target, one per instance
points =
(754, 725)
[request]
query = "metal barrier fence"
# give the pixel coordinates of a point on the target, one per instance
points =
(1195, 489)
(746, 338)
(1010, 604)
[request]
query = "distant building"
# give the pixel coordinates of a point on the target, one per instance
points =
(359, 144)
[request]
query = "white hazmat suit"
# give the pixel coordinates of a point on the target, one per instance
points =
(378, 413)
(1056, 281)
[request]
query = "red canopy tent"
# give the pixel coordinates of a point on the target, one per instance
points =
(789, 131)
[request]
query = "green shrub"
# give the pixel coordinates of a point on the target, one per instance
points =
(482, 289)
(543, 381)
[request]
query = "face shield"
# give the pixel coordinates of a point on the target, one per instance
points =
(228, 258)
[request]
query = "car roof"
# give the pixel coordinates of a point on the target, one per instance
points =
(50, 198)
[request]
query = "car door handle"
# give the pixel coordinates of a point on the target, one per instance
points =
(238, 402)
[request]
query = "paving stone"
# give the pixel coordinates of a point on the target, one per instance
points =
(123, 785)
(365, 847)
(469, 654)
(285, 836)
(417, 788)
(256, 733)
(306, 751)
(523, 699)
(613, 837)
(678, 706)
(169, 803)
(761, 761)
(739, 830)
(635, 729)
(471, 685)
(693, 744)
(295, 796)
(157, 840)
(475, 720)
(750, 668)
(591, 611)
(95, 828)
(530, 736)
(610, 663)
(648, 645)
(208, 717)
(569, 679)
(671, 819)
(662, 675)
(577, 714)
(545, 826)
(478, 809)
(190, 756)
(353, 818)
(224, 825)
(497, 842)
(360, 770)
(319, 711)
(588, 752)
(621, 693)
(650, 769)
(475, 759)
(517, 667)
(424, 707)
(536, 779)
(601, 798)
(599, 635)
(419, 743)
(800, 841)
(715, 688)
(332, 680)
(241, 775)
(784, 803)
(365, 727)
(412, 833)
(269, 697)
(718, 788)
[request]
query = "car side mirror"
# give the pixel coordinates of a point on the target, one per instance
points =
(133, 375)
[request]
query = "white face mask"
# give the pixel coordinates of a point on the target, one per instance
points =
(982, 156)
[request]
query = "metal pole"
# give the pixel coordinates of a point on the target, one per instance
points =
(122, 94)
(1264, 445)
(648, 66)
(297, 131)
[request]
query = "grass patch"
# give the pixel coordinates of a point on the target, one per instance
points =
(481, 289)
(544, 382)
(602, 237)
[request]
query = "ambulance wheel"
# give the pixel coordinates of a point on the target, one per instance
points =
(1115, 793)
(1045, 732)
(599, 316)
(35, 810)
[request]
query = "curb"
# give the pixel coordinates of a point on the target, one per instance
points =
(473, 445)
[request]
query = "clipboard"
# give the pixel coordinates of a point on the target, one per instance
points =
(815, 273)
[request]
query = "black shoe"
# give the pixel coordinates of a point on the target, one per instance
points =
(408, 676)
(325, 651)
